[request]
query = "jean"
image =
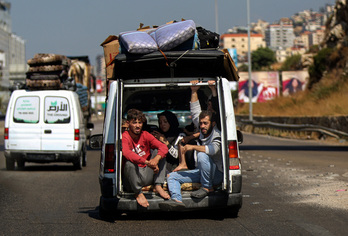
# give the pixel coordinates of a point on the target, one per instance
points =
(206, 173)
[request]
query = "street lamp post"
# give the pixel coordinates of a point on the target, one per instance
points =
(249, 65)
(216, 17)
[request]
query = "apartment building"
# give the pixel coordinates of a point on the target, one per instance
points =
(12, 49)
(318, 36)
(239, 41)
(310, 38)
(279, 36)
(282, 54)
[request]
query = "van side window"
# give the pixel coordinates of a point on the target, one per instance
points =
(26, 110)
(57, 110)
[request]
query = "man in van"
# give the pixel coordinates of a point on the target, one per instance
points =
(209, 170)
(139, 168)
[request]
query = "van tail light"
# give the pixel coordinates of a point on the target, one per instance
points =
(233, 155)
(77, 135)
(5, 133)
(109, 166)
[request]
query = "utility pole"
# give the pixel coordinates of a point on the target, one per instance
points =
(249, 66)
(216, 17)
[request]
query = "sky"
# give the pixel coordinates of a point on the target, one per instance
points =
(78, 27)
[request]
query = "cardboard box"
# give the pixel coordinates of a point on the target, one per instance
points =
(111, 49)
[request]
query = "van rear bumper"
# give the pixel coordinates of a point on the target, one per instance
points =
(43, 156)
(216, 200)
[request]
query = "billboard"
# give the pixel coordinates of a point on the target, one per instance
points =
(265, 86)
(233, 54)
(294, 81)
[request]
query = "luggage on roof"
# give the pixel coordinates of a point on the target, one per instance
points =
(176, 64)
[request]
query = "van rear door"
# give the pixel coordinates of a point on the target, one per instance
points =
(57, 125)
(25, 133)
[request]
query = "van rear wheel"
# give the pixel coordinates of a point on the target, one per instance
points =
(108, 215)
(231, 212)
(20, 163)
(10, 164)
(84, 156)
(78, 162)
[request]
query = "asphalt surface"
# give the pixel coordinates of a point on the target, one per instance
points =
(290, 187)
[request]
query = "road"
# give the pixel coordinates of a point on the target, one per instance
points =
(290, 187)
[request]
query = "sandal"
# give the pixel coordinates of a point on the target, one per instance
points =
(200, 193)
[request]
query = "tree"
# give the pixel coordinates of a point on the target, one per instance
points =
(243, 67)
(262, 59)
(320, 64)
(292, 63)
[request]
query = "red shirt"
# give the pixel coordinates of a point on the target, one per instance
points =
(138, 151)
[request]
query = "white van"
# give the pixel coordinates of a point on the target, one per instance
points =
(44, 126)
(146, 83)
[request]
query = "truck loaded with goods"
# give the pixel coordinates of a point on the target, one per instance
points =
(52, 109)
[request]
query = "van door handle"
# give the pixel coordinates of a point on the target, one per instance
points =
(48, 131)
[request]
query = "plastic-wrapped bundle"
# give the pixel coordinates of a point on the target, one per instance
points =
(81, 91)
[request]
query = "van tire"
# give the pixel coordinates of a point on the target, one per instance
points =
(106, 215)
(232, 212)
(84, 156)
(10, 164)
(20, 163)
(78, 163)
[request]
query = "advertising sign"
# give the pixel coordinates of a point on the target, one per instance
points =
(57, 110)
(265, 86)
(294, 81)
(233, 54)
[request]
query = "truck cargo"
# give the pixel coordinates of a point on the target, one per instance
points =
(49, 71)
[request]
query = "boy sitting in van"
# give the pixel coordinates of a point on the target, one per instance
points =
(139, 168)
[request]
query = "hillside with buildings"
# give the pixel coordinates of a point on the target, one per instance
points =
(286, 37)
(327, 87)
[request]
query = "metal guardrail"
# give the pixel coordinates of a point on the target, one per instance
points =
(294, 127)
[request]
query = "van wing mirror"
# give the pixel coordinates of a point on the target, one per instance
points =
(239, 136)
(96, 141)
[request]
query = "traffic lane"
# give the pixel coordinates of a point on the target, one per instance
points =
(294, 187)
(273, 206)
(49, 198)
(266, 210)
(312, 154)
(55, 199)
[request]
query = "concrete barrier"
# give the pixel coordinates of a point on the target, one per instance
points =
(297, 127)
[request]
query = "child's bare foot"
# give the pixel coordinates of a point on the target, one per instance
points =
(180, 167)
(161, 192)
(141, 199)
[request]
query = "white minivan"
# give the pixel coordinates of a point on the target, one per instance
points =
(44, 126)
(153, 83)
